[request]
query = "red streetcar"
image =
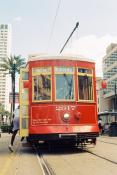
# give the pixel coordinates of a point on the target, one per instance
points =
(58, 99)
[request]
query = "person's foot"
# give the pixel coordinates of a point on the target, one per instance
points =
(10, 148)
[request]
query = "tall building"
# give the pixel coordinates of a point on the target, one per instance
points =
(102, 102)
(5, 51)
(110, 75)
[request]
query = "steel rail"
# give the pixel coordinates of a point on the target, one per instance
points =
(99, 156)
(45, 168)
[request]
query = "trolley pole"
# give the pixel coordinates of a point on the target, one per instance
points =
(77, 24)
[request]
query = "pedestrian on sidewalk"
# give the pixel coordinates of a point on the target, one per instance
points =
(100, 126)
(15, 127)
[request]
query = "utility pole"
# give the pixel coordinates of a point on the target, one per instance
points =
(115, 97)
(77, 24)
(13, 83)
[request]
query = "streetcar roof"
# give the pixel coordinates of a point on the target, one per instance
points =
(61, 57)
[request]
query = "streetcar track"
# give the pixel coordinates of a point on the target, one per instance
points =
(47, 170)
(44, 165)
(104, 158)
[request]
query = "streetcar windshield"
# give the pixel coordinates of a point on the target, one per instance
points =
(85, 84)
(64, 83)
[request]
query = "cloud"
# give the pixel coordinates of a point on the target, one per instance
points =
(92, 47)
(18, 18)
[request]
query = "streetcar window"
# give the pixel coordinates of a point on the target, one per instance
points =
(64, 70)
(64, 83)
(85, 87)
(24, 123)
(42, 87)
(25, 75)
(41, 70)
(85, 83)
(25, 94)
(83, 70)
(24, 110)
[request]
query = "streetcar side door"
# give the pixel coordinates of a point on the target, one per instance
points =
(24, 102)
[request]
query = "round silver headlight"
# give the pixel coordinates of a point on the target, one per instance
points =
(66, 116)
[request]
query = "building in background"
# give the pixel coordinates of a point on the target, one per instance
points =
(102, 102)
(5, 51)
(110, 76)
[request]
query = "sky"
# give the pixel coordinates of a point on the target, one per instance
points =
(43, 26)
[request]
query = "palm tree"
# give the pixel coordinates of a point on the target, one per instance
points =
(13, 64)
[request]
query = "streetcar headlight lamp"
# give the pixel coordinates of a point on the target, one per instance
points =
(66, 116)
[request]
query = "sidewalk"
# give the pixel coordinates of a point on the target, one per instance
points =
(107, 138)
(106, 147)
(21, 162)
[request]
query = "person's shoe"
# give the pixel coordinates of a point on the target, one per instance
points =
(10, 148)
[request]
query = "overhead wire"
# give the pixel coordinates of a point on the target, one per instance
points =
(53, 25)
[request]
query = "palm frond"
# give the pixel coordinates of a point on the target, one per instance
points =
(8, 63)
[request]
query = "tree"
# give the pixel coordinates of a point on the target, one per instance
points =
(8, 115)
(13, 64)
(2, 113)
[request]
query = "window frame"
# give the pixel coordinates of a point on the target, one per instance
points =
(89, 75)
(37, 74)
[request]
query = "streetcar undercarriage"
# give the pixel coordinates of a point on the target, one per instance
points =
(78, 138)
